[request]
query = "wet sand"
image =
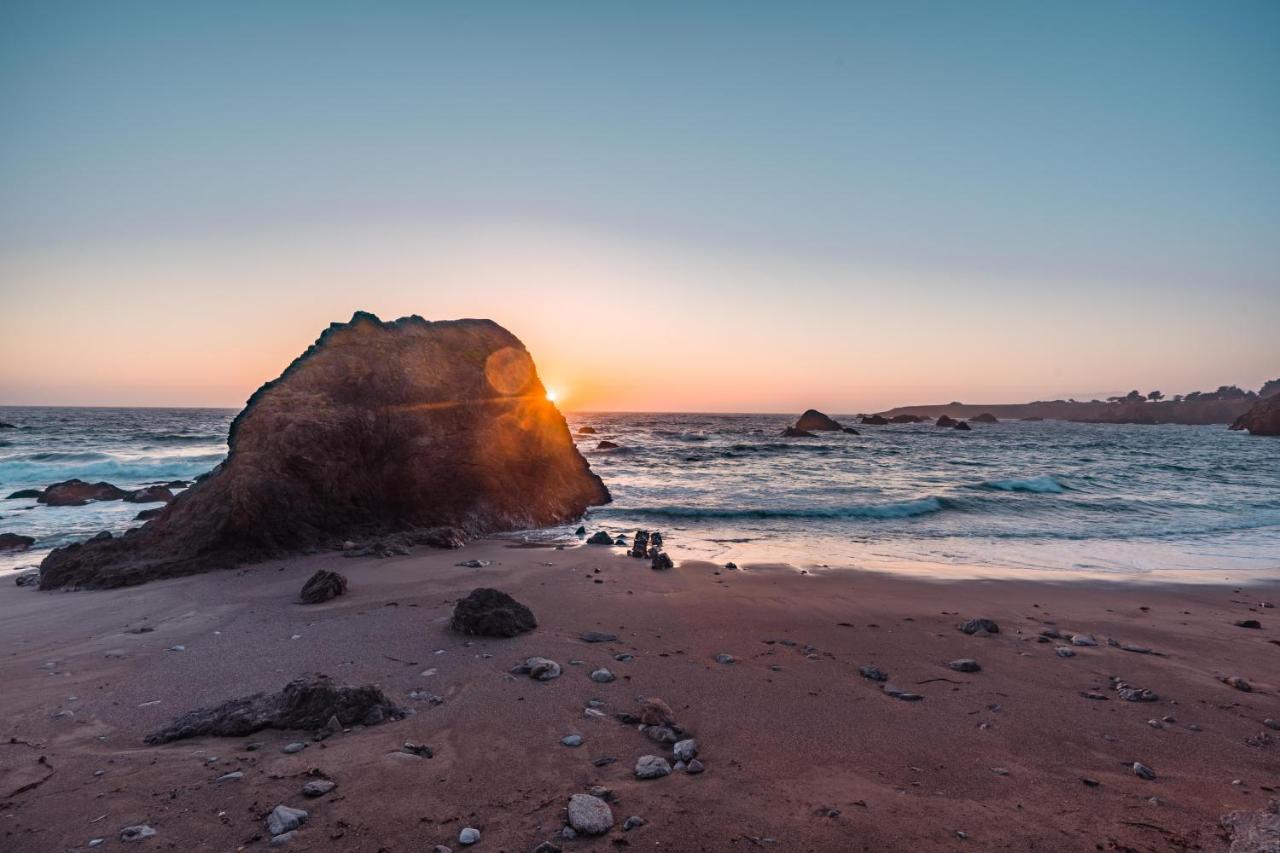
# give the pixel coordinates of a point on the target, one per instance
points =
(801, 752)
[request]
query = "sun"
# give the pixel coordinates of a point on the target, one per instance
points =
(552, 395)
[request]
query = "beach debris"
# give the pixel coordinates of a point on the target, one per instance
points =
(539, 669)
(589, 814)
(308, 702)
(602, 676)
(318, 787)
(600, 537)
(874, 673)
(597, 637)
(468, 836)
(652, 767)
(1142, 771)
(1249, 623)
(979, 627)
(489, 612)
(139, 832)
(322, 586)
(965, 665)
(283, 818)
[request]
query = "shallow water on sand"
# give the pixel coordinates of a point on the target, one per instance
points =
(1197, 503)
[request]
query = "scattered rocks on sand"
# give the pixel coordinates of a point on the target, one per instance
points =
(1131, 693)
(600, 538)
(293, 748)
(1249, 623)
(1083, 640)
(318, 787)
(731, 565)
(283, 819)
(468, 836)
(464, 438)
(79, 493)
(652, 767)
(491, 613)
(693, 768)
(640, 545)
(965, 665)
(602, 676)
(685, 750)
(655, 712)
(322, 586)
(1142, 771)
(979, 627)
(597, 637)
(539, 669)
(140, 832)
(15, 542)
(305, 703)
(589, 815)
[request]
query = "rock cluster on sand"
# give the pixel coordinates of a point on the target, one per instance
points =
(1262, 419)
(378, 428)
(322, 586)
(309, 702)
(491, 613)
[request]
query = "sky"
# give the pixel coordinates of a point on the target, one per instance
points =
(677, 207)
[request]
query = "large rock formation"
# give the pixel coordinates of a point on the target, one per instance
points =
(1262, 419)
(814, 421)
(79, 493)
(378, 428)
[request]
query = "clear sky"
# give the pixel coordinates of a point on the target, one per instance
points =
(677, 206)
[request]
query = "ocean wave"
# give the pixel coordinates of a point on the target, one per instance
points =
(1043, 484)
(897, 509)
(57, 466)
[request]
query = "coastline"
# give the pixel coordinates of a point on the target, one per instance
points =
(811, 756)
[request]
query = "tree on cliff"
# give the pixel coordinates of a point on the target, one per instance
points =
(1155, 396)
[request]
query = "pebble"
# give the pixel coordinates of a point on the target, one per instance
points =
(440, 848)
(97, 842)
(725, 658)
(589, 815)
(233, 776)
(597, 637)
(474, 564)
(652, 767)
(874, 673)
(139, 832)
(731, 565)
(899, 693)
(296, 746)
(979, 626)
(1238, 683)
(283, 818)
(685, 750)
(1249, 623)
(1064, 651)
(318, 787)
(547, 846)
(965, 665)
(1142, 771)
(602, 676)
(694, 767)
(1083, 640)
(633, 822)
(469, 835)
(283, 838)
(539, 669)
(571, 740)
(1271, 724)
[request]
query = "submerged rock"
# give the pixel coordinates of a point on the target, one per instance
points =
(946, 421)
(814, 421)
(875, 420)
(607, 445)
(25, 493)
(323, 586)
(961, 425)
(305, 703)
(15, 542)
(377, 429)
(491, 613)
(906, 419)
(793, 432)
(984, 418)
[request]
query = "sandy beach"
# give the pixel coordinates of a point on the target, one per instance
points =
(801, 751)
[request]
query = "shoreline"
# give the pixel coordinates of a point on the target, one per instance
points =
(811, 754)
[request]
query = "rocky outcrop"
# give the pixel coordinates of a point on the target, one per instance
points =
(26, 493)
(815, 421)
(906, 419)
(1262, 419)
(322, 586)
(962, 425)
(586, 430)
(15, 542)
(875, 420)
(946, 421)
(985, 418)
(377, 429)
(149, 495)
(79, 493)
(793, 432)
(491, 613)
(306, 703)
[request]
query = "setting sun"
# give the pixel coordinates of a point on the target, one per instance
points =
(552, 395)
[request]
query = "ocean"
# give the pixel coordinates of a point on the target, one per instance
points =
(1046, 499)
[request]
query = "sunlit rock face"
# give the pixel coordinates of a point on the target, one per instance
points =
(377, 428)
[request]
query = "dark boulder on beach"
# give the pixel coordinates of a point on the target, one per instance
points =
(306, 703)
(814, 421)
(491, 613)
(15, 542)
(378, 429)
(985, 418)
(79, 493)
(1262, 419)
(874, 420)
(149, 495)
(600, 537)
(946, 421)
(26, 493)
(793, 432)
(148, 514)
(962, 425)
(322, 586)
